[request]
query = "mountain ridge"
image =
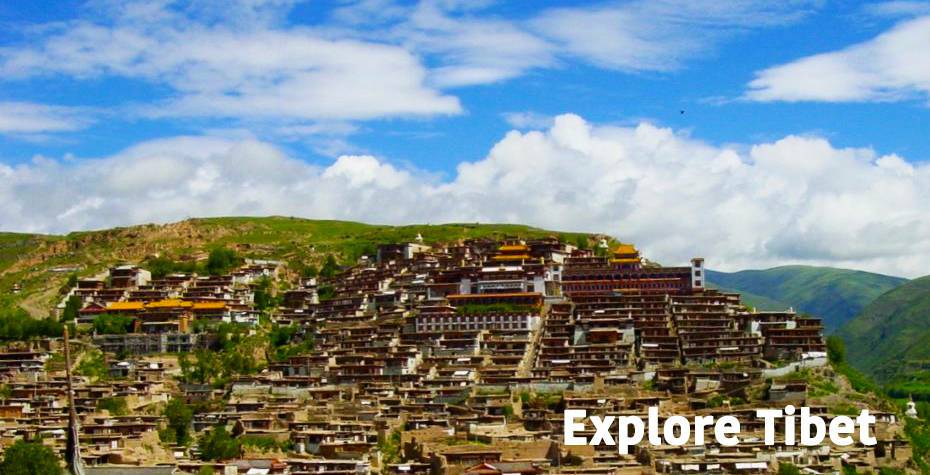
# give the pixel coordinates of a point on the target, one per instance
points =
(890, 338)
(834, 294)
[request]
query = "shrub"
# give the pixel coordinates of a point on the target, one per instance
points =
(116, 406)
(29, 458)
(179, 416)
(16, 324)
(72, 307)
(218, 444)
(222, 260)
(115, 324)
(94, 366)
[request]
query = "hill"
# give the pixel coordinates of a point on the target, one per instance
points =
(835, 295)
(889, 339)
(42, 263)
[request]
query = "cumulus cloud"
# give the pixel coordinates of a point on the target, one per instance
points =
(892, 66)
(26, 118)
(798, 199)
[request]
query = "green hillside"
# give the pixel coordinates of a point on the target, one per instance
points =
(756, 301)
(42, 263)
(890, 339)
(835, 295)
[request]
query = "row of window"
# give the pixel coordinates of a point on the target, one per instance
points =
(473, 326)
(581, 285)
(477, 318)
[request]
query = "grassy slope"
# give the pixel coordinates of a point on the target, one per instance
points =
(836, 295)
(13, 245)
(890, 339)
(26, 259)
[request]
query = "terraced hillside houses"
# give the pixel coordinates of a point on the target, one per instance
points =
(457, 358)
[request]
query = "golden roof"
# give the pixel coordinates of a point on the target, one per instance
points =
(169, 303)
(209, 305)
(125, 306)
(511, 257)
(626, 260)
(513, 247)
(625, 254)
(626, 249)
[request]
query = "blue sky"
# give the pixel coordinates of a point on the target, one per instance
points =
(441, 98)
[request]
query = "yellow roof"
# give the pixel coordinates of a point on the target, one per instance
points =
(169, 303)
(626, 249)
(631, 260)
(511, 257)
(125, 306)
(209, 305)
(513, 247)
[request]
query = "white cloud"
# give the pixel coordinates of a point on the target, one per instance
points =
(795, 200)
(897, 8)
(470, 46)
(26, 118)
(372, 59)
(472, 50)
(242, 65)
(463, 44)
(892, 66)
(656, 35)
(528, 120)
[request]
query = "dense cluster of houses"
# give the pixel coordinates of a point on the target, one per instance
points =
(452, 358)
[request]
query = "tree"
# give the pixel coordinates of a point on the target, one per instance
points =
(330, 266)
(581, 242)
(222, 260)
(850, 470)
(162, 266)
(263, 297)
(309, 271)
(179, 416)
(785, 468)
(16, 324)
(72, 307)
(390, 447)
(116, 324)
(29, 458)
(218, 444)
(203, 369)
(325, 292)
(281, 335)
(836, 349)
(94, 366)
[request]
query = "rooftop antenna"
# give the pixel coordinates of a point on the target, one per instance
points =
(73, 448)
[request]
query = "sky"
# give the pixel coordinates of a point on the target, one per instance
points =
(751, 133)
